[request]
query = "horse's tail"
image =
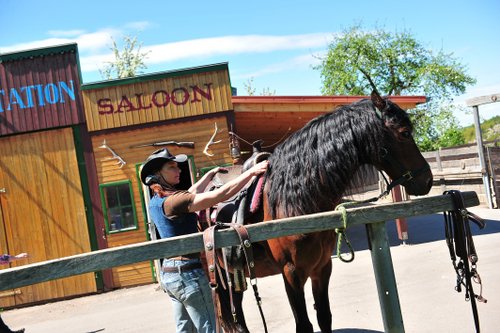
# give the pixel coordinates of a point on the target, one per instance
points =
(224, 314)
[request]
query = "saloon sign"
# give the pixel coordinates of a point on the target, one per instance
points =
(157, 97)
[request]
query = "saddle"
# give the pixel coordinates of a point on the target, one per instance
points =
(247, 202)
(232, 213)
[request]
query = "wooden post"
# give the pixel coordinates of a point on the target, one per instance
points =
(442, 182)
(401, 224)
(482, 160)
(385, 278)
(474, 103)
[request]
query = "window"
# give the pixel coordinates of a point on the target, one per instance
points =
(118, 206)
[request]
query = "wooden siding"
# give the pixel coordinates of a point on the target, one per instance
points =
(144, 101)
(198, 131)
(39, 92)
(274, 118)
(43, 210)
(459, 168)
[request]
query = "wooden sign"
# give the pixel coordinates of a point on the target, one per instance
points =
(157, 97)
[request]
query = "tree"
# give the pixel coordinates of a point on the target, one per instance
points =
(250, 90)
(128, 61)
(397, 64)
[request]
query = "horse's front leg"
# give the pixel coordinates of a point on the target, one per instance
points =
(320, 280)
(294, 285)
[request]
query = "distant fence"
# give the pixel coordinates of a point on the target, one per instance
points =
(459, 168)
(373, 216)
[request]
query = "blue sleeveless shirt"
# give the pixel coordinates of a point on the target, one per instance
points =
(169, 227)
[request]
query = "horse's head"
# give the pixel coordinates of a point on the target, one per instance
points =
(400, 157)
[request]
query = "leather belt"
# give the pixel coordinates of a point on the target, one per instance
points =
(184, 258)
(183, 268)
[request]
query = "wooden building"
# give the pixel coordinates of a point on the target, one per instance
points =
(43, 195)
(130, 118)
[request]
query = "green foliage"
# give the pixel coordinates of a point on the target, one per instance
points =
(128, 61)
(250, 90)
(397, 64)
(490, 129)
(436, 126)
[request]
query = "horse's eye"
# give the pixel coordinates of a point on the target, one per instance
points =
(406, 134)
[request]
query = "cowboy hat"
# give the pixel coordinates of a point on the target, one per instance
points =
(155, 161)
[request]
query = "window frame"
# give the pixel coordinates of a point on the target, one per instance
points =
(105, 208)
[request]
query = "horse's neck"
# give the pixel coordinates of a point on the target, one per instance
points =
(350, 169)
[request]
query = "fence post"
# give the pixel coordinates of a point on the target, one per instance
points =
(385, 278)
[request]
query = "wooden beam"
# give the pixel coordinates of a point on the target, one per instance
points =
(94, 261)
(488, 99)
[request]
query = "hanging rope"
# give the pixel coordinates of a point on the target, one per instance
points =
(265, 147)
(341, 235)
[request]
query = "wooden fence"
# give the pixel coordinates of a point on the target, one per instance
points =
(459, 168)
(373, 216)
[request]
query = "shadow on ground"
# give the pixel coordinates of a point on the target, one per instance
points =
(421, 229)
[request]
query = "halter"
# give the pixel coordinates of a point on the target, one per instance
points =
(407, 175)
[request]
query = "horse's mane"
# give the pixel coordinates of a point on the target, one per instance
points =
(315, 166)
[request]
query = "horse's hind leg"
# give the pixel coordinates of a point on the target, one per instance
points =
(320, 284)
(294, 286)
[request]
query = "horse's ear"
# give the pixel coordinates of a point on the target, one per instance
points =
(378, 101)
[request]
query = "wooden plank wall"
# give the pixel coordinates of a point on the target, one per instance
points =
(493, 155)
(459, 168)
(220, 100)
(42, 77)
(43, 210)
(198, 131)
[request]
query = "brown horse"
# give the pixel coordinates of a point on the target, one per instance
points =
(309, 173)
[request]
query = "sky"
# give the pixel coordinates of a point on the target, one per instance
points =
(269, 44)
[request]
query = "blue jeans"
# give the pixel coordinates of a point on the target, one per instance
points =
(191, 298)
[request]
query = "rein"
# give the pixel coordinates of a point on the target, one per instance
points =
(407, 175)
(461, 245)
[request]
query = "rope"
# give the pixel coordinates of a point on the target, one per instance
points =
(342, 236)
(268, 146)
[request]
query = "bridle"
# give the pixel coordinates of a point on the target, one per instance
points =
(406, 175)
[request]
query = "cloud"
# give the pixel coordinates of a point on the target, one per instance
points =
(305, 61)
(138, 26)
(65, 33)
(99, 41)
(208, 47)
(94, 47)
(231, 45)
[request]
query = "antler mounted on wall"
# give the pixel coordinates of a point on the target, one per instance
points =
(121, 162)
(211, 142)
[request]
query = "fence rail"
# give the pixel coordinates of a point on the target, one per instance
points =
(94, 261)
